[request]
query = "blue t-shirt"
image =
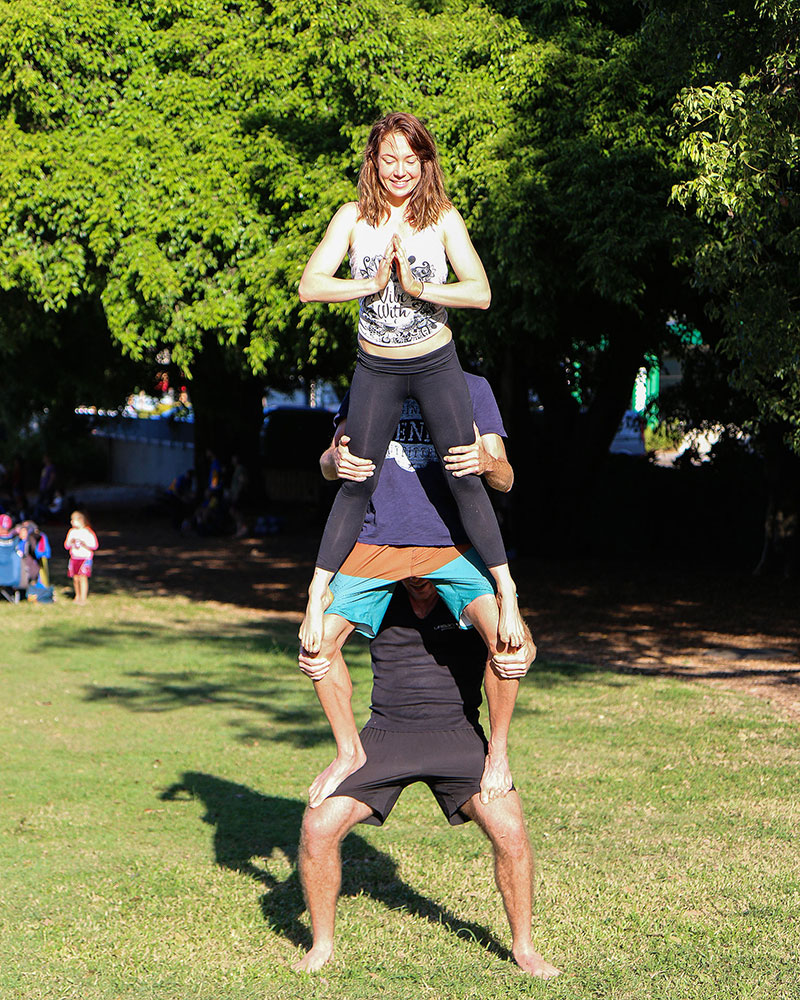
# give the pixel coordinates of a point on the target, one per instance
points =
(412, 504)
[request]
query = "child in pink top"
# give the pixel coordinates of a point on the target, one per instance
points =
(81, 543)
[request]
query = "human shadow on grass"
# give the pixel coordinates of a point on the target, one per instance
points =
(249, 672)
(250, 826)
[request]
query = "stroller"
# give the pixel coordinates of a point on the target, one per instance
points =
(10, 569)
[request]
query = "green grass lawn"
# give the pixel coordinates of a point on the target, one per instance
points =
(155, 755)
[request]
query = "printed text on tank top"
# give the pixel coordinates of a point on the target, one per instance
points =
(392, 317)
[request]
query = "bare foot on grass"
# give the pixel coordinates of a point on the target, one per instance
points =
(496, 779)
(311, 629)
(314, 960)
(334, 774)
(531, 961)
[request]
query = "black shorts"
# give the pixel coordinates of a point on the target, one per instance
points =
(449, 761)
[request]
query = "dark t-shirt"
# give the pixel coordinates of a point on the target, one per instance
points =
(427, 672)
(412, 504)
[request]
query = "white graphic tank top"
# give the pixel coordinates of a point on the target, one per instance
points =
(392, 317)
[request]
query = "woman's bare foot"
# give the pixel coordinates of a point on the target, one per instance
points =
(496, 779)
(531, 961)
(334, 774)
(313, 960)
(311, 629)
(511, 628)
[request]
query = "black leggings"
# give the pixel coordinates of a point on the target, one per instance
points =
(378, 390)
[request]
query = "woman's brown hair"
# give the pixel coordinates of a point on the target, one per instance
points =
(428, 199)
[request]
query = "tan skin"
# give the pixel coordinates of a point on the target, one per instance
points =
(399, 170)
(500, 818)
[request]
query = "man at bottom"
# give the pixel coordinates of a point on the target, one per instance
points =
(424, 726)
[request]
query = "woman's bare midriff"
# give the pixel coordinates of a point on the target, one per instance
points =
(422, 347)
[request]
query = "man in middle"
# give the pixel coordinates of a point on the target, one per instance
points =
(412, 529)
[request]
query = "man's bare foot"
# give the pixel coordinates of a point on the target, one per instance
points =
(496, 779)
(334, 774)
(314, 959)
(311, 628)
(531, 961)
(510, 629)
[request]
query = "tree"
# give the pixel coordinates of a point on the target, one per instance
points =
(741, 136)
(176, 161)
(126, 180)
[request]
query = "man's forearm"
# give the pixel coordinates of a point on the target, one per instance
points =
(327, 464)
(498, 474)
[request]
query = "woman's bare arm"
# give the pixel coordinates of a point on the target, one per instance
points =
(471, 290)
(318, 283)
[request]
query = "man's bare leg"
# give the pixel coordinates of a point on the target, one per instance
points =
(503, 823)
(320, 865)
(334, 690)
(501, 694)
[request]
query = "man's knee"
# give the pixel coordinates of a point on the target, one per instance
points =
(327, 824)
(335, 634)
(482, 612)
(322, 827)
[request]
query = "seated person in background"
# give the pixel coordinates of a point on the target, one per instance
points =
(180, 497)
(33, 546)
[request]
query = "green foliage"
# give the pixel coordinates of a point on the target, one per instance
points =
(125, 168)
(741, 139)
(176, 161)
(665, 436)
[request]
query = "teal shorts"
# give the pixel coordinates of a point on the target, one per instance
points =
(363, 587)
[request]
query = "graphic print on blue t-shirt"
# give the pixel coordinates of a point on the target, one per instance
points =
(411, 446)
(412, 504)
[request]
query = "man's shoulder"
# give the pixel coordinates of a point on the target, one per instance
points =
(480, 391)
(484, 405)
(477, 383)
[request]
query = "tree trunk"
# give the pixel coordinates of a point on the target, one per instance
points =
(227, 404)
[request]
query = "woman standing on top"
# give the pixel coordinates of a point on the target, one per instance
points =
(400, 235)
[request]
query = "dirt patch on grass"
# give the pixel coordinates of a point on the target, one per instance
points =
(712, 627)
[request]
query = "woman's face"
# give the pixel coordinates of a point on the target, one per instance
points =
(399, 167)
